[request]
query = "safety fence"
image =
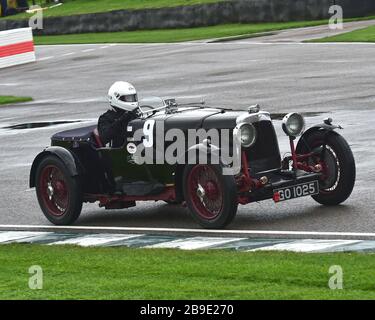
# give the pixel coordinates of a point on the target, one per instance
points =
(16, 47)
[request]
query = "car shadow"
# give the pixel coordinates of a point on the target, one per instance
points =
(144, 215)
(266, 215)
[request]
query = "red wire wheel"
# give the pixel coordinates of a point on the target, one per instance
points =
(59, 193)
(330, 166)
(210, 196)
(206, 191)
(53, 190)
(338, 164)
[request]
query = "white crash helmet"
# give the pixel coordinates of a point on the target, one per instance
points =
(123, 95)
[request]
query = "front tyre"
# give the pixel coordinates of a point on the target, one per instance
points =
(210, 195)
(59, 194)
(338, 165)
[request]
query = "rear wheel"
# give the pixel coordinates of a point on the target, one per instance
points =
(338, 166)
(210, 195)
(59, 194)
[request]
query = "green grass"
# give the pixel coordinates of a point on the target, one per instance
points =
(12, 99)
(173, 35)
(122, 273)
(73, 7)
(362, 35)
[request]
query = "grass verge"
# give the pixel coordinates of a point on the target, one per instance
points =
(73, 7)
(122, 273)
(173, 35)
(12, 99)
(362, 35)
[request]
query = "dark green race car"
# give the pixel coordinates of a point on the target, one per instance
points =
(211, 159)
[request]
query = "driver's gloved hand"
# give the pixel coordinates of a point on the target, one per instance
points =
(135, 113)
(126, 117)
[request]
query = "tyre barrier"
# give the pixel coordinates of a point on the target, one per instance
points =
(16, 47)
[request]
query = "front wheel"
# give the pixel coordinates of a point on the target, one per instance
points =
(337, 162)
(59, 194)
(210, 195)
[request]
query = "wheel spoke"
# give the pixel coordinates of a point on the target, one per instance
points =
(54, 190)
(205, 191)
(331, 167)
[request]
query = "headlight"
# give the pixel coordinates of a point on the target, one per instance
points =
(248, 135)
(293, 124)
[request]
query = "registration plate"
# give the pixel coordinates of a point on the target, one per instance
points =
(296, 191)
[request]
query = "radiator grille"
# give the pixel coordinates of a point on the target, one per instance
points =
(265, 153)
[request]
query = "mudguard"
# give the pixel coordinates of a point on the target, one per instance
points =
(63, 154)
(326, 127)
(202, 149)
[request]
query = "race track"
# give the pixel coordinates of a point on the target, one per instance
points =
(70, 83)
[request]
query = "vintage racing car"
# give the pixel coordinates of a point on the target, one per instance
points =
(78, 168)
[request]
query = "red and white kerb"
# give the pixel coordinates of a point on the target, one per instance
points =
(16, 47)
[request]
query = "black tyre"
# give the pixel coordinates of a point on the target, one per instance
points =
(339, 171)
(210, 195)
(59, 194)
(172, 202)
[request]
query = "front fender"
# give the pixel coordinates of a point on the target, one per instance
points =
(327, 127)
(63, 154)
(201, 150)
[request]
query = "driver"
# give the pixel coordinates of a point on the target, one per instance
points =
(112, 125)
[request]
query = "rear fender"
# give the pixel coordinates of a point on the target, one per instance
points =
(63, 154)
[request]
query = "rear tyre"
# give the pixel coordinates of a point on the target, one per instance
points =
(210, 195)
(338, 164)
(59, 194)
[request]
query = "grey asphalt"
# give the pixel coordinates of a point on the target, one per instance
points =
(70, 82)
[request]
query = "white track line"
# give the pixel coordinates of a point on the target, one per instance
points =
(10, 84)
(45, 58)
(203, 231)
(88, 50)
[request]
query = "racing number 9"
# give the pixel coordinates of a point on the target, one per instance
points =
(148, 130)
